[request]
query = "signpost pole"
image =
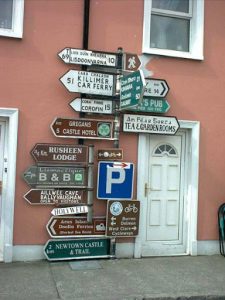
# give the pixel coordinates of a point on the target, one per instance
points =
(90, 183)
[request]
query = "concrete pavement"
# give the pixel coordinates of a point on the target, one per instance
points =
(201, 277)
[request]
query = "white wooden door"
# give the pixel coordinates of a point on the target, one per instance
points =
(165, 206)
(2, 147)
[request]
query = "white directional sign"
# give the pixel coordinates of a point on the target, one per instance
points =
(94, 106)
(89, 82)
(88, 57)
(150, 124)
(115, 180)
(156, 88)
(69, 210)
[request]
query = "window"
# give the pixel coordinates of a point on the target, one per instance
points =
(165, 149)
(11, 18)
(174, 28)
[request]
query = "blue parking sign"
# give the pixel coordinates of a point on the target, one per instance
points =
(115, 180)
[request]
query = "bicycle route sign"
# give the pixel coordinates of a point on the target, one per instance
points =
(122, 218)
(82, 128)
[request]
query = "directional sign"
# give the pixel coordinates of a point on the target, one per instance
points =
(77, 249)
(115, 180)
(150, 124)
(156, 88)
(63, 154)
(131, 90)
(93, 106)
(109, 154)
(88, 57)
(74, 210)
(55, 176)
(152, 105)
(75, 227)
(122, 218)
(131, 62)
(83, 128)
(55, 196)
(89, 82)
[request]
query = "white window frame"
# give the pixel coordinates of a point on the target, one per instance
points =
(17, 21)
(196, 33)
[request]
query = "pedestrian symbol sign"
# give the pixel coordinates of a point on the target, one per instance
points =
(115, 180)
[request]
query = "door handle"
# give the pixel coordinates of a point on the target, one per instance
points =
(147, 189)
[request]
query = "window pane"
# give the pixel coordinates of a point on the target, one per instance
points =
(174, 5)
(6, 8)
(169, 33)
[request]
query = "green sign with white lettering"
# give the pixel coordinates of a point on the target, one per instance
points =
(152, 105)
(77, 249)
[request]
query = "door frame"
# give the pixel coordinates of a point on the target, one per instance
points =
(192, 129)
(10, 116)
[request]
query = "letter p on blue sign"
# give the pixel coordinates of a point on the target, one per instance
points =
(115, 180)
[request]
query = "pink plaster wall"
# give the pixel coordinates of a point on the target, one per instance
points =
(29, 75)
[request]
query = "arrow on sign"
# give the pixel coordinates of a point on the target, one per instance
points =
(88, 57)
(89, 82)
(119, 165)
(156, 88)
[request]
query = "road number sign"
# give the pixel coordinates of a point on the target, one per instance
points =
(89, 82)
(83, 128)
(115, 180)
(150, 124)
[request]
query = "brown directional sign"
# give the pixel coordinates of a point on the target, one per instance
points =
(55, 196)
(58, 227)
(110, 154)
(82, 128)
(60, 154)
(122, 218)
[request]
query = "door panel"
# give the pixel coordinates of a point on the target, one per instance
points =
(165, 234)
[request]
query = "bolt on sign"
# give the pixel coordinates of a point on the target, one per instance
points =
(93, 106)
(58, 227)
(55, 176)
(92, 83)
(150, 124)
(82, 128)
(122, 218)
(156, 88)
(88, 57)
(74, 210)
(152, 105)
(131, 89)
(77, 249)
(55, 196)
(60, 154)
(110, 154)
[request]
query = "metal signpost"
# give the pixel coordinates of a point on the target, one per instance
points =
(131, 90)
(82, 128)
(153, 105)
(94, 106)
(55, 197)
(77, 249)
(88, 57)
(55, 176)
(122, 218)
(74, 210)
(150, 124)
(58, 227)
(60, 154)
(115, 180)
(156, 88)
(110, 154)
(89, 82)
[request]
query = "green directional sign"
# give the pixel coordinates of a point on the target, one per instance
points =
(55, 176)
(152, 105)
(131, 90)
(77, 249)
